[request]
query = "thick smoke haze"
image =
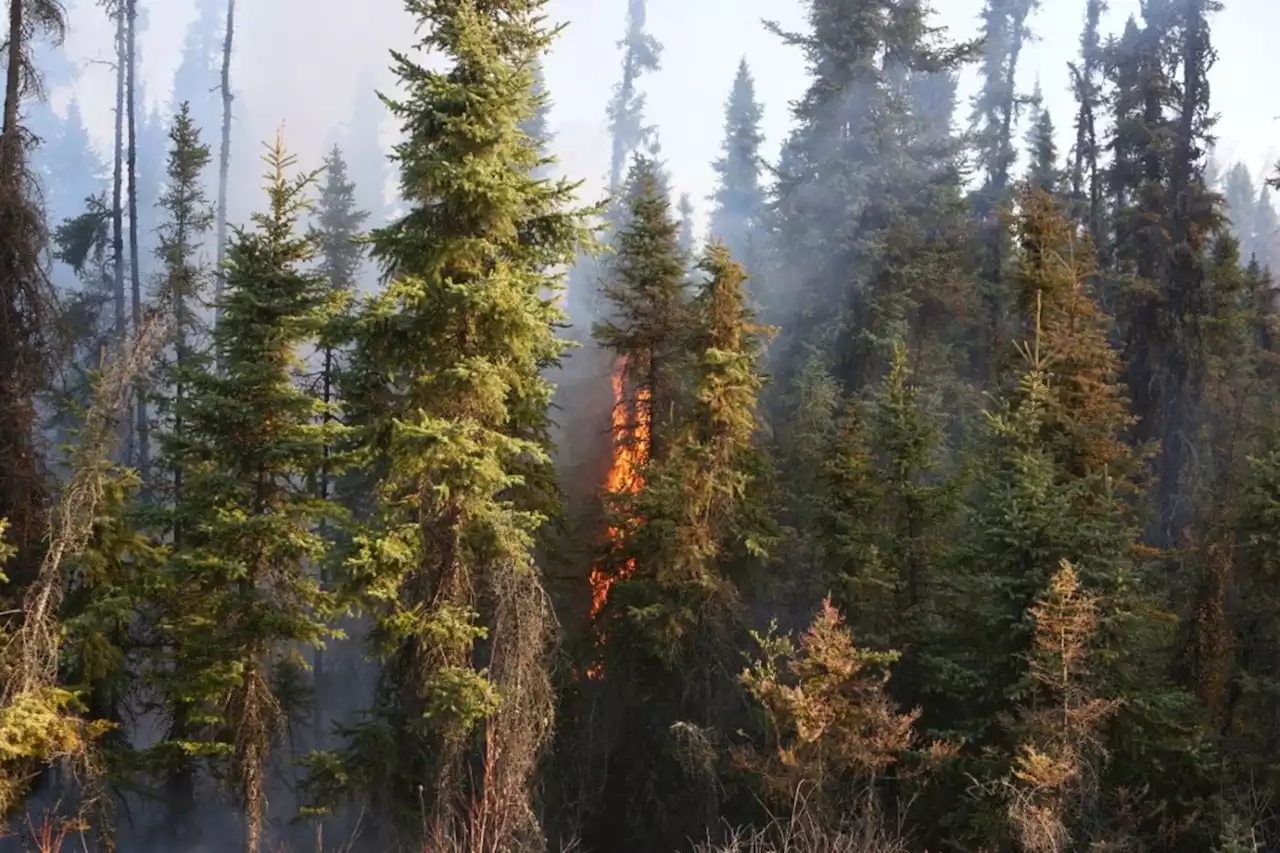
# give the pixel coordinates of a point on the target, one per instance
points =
(302, 63)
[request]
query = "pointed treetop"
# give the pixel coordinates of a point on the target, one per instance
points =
(739, 199)
(641, 53)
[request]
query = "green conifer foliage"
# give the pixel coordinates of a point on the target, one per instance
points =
(722, 422)
(671, 621)
(183, 286)
(804, 441)
(995, 108)
(1086, 86)
(1043, 171)
(868, 210)
(647, 314)
(641, 53)
(240, 598)
(447, 387)
(335, 233)
(340, 252)
(736, 219)
(337, 225)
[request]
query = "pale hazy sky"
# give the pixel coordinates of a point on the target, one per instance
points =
(300, 61)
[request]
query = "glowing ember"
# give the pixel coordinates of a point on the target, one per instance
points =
(629, 452)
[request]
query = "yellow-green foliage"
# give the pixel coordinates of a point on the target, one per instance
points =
(7, 551)
(36, 729)
(834, 725)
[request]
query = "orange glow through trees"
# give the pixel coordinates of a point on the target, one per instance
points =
(630, 449)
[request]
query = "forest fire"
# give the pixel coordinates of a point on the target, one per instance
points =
(630, 448)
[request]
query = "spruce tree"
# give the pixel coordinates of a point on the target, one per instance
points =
(804, 447)
(868, 206)
(449, 393)
(686, 225)
(1240, 201)
(1266, 230)
(646, 318)
(1042, 170)
(70, 168)
(995, 111)
(1086, 406)
(1086, 86)
(239, 598)
(585, 382)
(995, 108)
(739, 201)
(183, 287)
(671, 622)
(195, 79)
(25, 330)
(538, 127)
(359, 137)
(83, 242)
(335, 232)
(641, 54)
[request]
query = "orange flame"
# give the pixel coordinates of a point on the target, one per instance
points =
(629, 453)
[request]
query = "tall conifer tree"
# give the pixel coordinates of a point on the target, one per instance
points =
(450, 393)
(25, 333)
(869, 189)
(646, 313)
(739, 202)
(183, 287)
(641, 53)
(240, 583)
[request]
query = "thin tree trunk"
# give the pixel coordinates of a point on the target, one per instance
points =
(117, 184)
(224, 156)
(142, 425)
(318, 666)
(10, 135)
(117, 218)
(1184, 292)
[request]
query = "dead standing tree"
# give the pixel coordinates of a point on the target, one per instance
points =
(25, 294)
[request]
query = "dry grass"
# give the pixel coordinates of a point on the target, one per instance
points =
(805, 832)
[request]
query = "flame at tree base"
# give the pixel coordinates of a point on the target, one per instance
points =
(630, 450)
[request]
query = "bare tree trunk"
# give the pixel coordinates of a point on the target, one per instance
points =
(224, 156)
(125, 445)
(10, 135)
(117, 184)
(142, 425)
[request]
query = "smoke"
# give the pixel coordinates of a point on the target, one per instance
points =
(303, 62)
(310, 65)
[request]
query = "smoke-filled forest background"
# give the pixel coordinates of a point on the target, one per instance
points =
(844, 427)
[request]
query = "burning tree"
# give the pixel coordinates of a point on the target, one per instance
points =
(647, 334)
(668, 617)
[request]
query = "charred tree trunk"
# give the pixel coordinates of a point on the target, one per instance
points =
(117, 183)
(117, 218)
(10, 134)
(224, 156)
(141, 426)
